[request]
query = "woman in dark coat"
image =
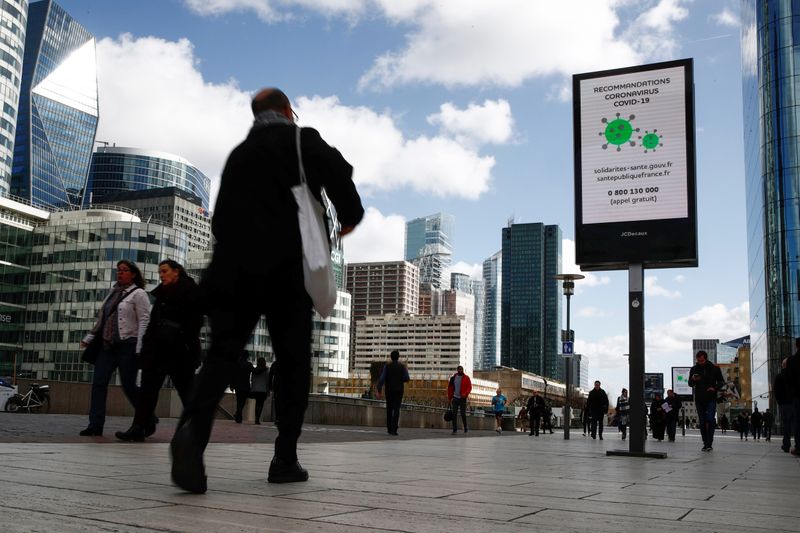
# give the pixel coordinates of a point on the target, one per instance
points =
(171, 345)
(657, 418)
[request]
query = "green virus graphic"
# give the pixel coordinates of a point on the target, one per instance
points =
(651, 140)
(618, 132)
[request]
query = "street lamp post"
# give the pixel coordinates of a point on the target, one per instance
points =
(569, 289)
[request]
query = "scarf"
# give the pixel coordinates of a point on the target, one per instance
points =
(268, 118)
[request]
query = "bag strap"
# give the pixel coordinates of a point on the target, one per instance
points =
(300, 157)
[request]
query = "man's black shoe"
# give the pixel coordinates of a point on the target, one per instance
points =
(91, 432)
(281, 471)
(134, 434)
(150, 428)
(188, 471)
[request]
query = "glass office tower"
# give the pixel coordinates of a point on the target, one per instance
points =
(13, 20)
(492, 315)
(58, 110)
(531, 302)
(116, 169)
(429, 245)
(771, 100)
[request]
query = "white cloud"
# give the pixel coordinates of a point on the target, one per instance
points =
(680, 278)
(385, 159)
(652, 288)
(568, 266)
(474, 271)
(152, 96)
(487, 123)
(592, 312)
(474, 42)
(727, 17)
(379, 237)
(182, 108)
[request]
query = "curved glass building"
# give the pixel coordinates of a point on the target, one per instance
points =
(13, 20)
(72, 266)
(58, 109)
(116, 169)
(771, 100)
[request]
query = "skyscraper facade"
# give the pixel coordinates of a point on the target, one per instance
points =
(492, 314)
(117, 170)
(464, 284)
(58, 109)
(13, 20)
(429, 245)
(770, 90)
(530, 299)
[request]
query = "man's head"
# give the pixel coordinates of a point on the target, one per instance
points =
(499, 391)
(395, 355)
(701, 357)
(670, 393)
(596, 384)
(272, 99)
(536, 393)
(460, 370)
(624, 392)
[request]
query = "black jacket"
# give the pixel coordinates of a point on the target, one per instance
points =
(173, 333)
(536, 405)
(394, 375)
(793, 367)
(756, 419)
(782, 388)
(676, 404)
(710, 377)
(255, 203)
(597, 403)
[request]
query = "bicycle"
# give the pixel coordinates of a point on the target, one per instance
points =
(36, 399)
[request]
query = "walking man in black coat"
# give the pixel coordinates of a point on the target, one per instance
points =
(257, 269)
(706, 379)
(536, 408)
(394, 375)
(783, 397)
(597, 404)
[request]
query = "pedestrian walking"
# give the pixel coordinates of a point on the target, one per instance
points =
(522, 418)
(121, 324)
(241, 384)
(536, 408)
(743, 425)
(259, 386)
(170, 347)
(586, 418)
(706, 379)
(394, 375)
(756, 421)
(255, 203)
(658, 418)
(547, 419)
(783, 397)
(623, 409)
(768, 419)
(458, 389)
(598, 408)
(499, 406)
(672, 409)
(724, 424)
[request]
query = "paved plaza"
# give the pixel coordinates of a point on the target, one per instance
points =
(364, 480)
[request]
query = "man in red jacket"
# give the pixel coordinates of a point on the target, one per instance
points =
(457, 391)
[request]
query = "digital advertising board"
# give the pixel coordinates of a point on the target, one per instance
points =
(680, 382)
(635, 192)
(653, 384)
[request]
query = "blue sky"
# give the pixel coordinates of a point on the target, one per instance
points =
(463, 107)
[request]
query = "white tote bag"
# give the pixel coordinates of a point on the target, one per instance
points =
(317, 267)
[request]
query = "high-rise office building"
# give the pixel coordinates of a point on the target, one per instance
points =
(13, 21)
(116, 170)
(58, 109)
(464, 284)
(492, 314)
(429, 245)
(170, 206)
(531, 301)
(707, 345)
(580, 371)
(770, 97)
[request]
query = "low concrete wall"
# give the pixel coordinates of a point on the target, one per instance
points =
(73, 398)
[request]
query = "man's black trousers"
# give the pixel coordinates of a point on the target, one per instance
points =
(393, 402)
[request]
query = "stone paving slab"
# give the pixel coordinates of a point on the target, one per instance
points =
(372, 482)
